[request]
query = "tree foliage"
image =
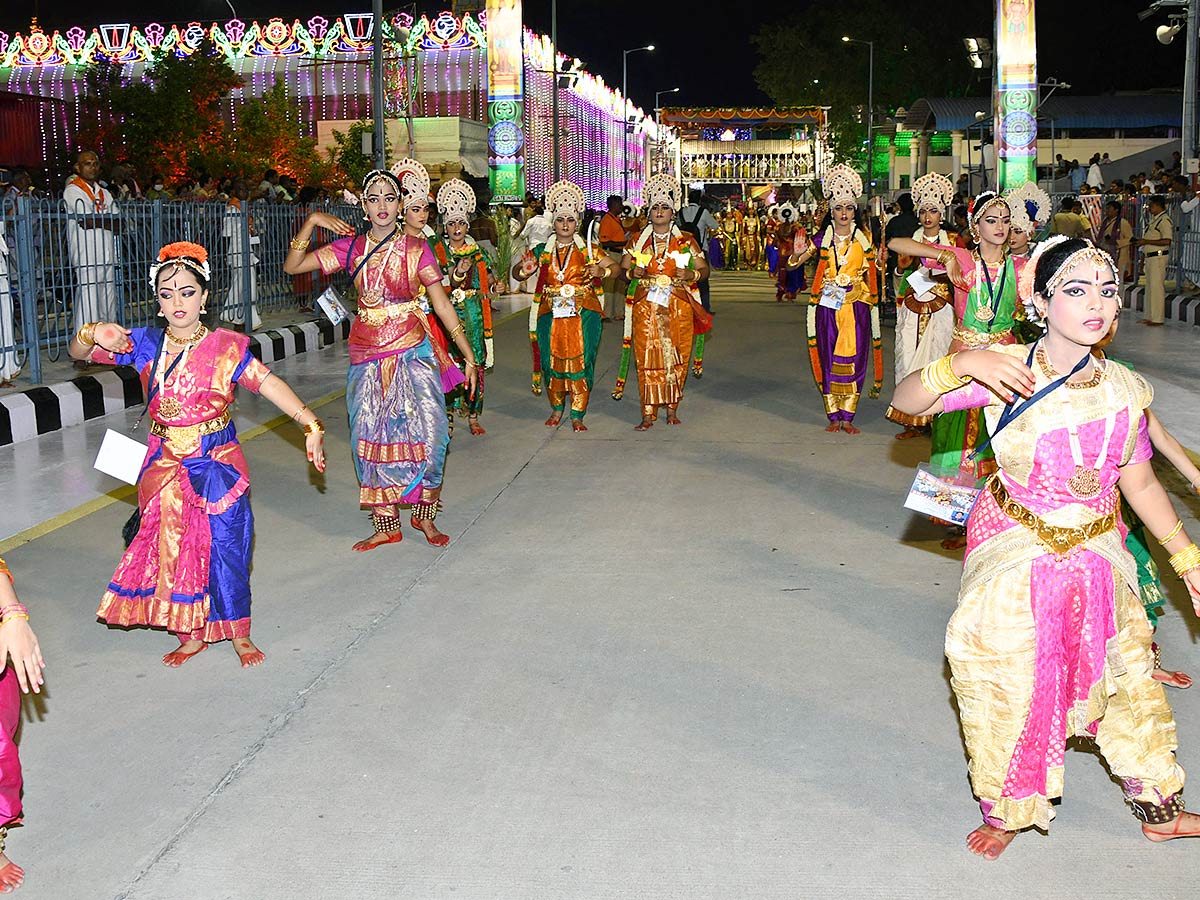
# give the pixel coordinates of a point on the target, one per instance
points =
(175, 122)
(348, 155)
(803, 60)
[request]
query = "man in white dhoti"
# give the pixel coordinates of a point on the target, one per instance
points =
(91, 228)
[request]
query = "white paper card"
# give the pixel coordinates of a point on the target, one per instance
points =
(331, 304)
(832, 296)
(940, 497)
(920, 282)
(563, 307)
(659, 295)
(121, 456)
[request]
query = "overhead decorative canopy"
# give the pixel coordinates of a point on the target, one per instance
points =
(1067, 111)
(742, 116)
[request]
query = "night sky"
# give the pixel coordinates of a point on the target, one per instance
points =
(1098, 48)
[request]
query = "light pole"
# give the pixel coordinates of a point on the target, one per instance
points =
(658, 122)
(846, 39)
(625, 117)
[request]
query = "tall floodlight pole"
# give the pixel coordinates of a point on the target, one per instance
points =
(1015, 98)
(625, 118)
(870, 104)
(658, 119)
(1188, 149)
(377, 83)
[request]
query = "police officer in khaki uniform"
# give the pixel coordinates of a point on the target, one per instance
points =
(1156, 244)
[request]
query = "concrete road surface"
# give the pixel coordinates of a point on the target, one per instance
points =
(701, 662)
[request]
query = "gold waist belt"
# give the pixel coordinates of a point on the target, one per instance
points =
(980, 338)
(189, 434)
(377, 315)
(1058, 539)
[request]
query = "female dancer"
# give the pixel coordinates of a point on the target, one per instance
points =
(665, 308)
(1049, 639)
(464, 269)
(925, 320)
(985, 305)
(565, 318)
(843, 326)
(188, 567)
(1029, 207)
(19, 644)
(791, 242)
(395, 390)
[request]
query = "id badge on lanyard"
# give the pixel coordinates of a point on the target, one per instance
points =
(832, 296)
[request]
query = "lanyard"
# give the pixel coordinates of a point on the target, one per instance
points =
(362, 262)
(992, 304)
(1012, 411)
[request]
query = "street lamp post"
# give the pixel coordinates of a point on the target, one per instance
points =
(658, 118)
(870, 102)
(625, 117)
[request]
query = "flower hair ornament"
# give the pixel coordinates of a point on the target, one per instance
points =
(841, 183)
(379, 175)
(564, 199)
(181, 255)
(1029, 207)
(786, 212)
(1025, 291)
(661, 188)
(456, 201)
(932, 191)
(979, 205)
(414, 182)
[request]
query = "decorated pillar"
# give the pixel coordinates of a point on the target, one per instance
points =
(923, 162)
(914, 162)
(506, 100)
(893, 172)
(956, 146)
(1015, 102)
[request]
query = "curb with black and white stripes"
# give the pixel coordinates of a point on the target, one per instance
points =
(1178, 307)
(40, 410)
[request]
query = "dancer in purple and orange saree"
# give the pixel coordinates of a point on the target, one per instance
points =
(188, 567)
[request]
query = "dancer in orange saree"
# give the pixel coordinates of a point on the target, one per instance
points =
(665, 310)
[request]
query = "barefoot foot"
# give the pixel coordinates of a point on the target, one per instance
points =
(1185, 825)
(954, 542)
(672, 419)
(554, 419)
(250, 655)
(988, 841)
(378, 539)
(850, 428)
(645, 425)
(833, 427)
(432, 535)
(908, 434)
(11, 875)
(1180, 680)
(185, 651)
(473, 424)
(577, 425)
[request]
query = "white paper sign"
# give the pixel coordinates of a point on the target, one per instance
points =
(832, 296)
(121, 456)
(563, 307)
(920, 282)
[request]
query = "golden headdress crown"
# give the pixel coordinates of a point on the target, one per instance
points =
(661, 188)
(565, 198)
(933, 191)
(414, 182)
(456, 201)
(841, 183)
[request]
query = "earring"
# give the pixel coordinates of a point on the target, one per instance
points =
(162, 314)
(203, 310)
(366, 218)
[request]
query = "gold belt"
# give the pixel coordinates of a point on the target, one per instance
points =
(377, 315)
(980, 338)
(1058, 539)
(189, 434)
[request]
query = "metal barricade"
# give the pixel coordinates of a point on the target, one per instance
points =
(65, 267)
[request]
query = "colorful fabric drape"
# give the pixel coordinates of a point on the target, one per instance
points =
(1047, 645)
(472, 301)
(398, 378)
(188, 567)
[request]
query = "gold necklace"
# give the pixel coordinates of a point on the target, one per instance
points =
(192, 340)
(1051, 373)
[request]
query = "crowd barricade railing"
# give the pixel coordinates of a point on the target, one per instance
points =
(61, 268)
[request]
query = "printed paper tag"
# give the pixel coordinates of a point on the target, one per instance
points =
(660, 296)
(832, 296)
(563, 307)
(941, 497)
(332, 305)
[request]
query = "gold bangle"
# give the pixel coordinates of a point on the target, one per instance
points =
(12, 616)
(938, 377)
(86, 334)
(1186, 560)
(1174, 531)
(316, 426)
(299, 243)
(458, 329)
(296, 414)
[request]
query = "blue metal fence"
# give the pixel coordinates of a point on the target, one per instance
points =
(66, 267)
